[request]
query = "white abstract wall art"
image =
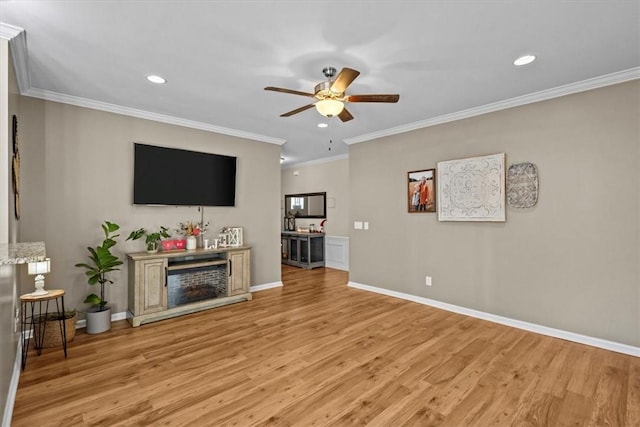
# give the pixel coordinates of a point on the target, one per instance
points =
(522, 185)
(472, 189)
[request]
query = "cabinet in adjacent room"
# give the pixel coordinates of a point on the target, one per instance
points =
(304, 250)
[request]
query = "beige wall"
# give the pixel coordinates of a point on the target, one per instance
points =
(331, 177)
(571, 262)
(9, 105)
(78, 171)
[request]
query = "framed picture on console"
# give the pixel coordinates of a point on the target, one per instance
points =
(421, 191)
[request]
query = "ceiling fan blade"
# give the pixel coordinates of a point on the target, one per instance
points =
(291, 91)
(344, 79)
(373, 98)
(345, 115)
(297, 110)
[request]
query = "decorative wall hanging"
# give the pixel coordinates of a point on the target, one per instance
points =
(522, 185)
(421, 191)
(472, 189)
(16, 168)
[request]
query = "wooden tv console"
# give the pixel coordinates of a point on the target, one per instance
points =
(149, 296)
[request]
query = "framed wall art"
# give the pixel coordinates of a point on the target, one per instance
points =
(472, 189)
(522, 185)
(421, 191)
(16, 167)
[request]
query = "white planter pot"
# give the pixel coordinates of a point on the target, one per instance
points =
(98, 321)
(192, 243)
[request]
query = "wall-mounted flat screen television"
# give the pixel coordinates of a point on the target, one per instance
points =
(171, 176)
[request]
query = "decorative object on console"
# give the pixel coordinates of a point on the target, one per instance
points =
(180, 243)
(290, 223)
(102, 262)
(151, 239)
(472, 189)
(39, 269)
(421, 191)
(189, 228)
(168, 244)
(192, 243)
(234, 236)
(522, 185)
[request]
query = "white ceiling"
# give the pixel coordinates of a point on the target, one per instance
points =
(442, 57)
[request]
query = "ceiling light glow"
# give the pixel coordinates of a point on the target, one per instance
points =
(156, 79)
(524, 60)
(329, 107)
(322, 125)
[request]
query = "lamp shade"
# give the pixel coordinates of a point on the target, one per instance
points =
(329, 107)
(40, 267)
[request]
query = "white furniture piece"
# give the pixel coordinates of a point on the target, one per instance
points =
(173, 283)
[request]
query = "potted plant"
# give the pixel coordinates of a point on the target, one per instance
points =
(102, 263)
(151, 239)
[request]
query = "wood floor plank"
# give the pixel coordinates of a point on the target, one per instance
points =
(316, 352)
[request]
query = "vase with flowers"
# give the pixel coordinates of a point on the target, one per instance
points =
(192, 230)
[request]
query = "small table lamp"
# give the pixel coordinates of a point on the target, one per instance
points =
(39, 268)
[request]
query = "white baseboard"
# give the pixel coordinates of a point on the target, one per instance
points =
(13, 387)
(336, 252)
(532, 327)
(266, 286)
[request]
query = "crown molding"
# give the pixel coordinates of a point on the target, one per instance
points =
(133, 112)
(9, 31)
(18, 42)
(589, 84)
(316, 162)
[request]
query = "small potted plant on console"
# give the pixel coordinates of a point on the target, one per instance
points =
(152, 239)
(102, 262)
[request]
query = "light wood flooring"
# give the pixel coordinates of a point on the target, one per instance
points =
(316, 352)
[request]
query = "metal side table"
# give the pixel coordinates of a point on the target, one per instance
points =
(28, 323)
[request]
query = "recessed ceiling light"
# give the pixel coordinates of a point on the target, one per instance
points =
(322, 125)
(281, 159)
(524, 60)
(156, 79)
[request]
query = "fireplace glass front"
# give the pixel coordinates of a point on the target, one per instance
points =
(189, 285)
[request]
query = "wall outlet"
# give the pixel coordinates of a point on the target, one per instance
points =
(427, 280)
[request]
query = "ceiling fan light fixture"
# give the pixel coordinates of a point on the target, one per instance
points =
(329, 107)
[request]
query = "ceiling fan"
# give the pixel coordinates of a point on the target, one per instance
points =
(330, 95)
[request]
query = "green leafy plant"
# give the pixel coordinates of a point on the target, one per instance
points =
(102, 262)
(151, 239)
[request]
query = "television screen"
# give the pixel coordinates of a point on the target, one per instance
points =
(170, 176)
